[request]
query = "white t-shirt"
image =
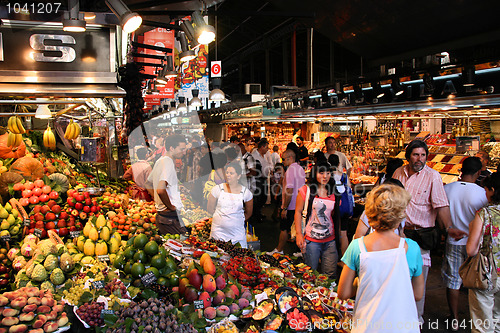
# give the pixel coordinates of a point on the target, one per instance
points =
(164, 170)
(465, 200)
(344, 164)
(275, 158)
(265, 161)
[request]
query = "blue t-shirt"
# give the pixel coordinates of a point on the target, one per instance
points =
(413, 256)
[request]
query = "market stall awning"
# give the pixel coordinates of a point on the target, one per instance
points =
(62, 90)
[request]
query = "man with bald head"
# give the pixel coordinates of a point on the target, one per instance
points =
(295, 178)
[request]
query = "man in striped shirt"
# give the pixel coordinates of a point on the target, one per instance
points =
(428, 200)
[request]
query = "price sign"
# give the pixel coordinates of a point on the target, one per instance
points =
(106, 311)
(38, 232)
(198, 305)
(98, 284)
(26, 222)
(75, 234)
(148, 279)
(313, 296)
(104, 257)
(6, 238)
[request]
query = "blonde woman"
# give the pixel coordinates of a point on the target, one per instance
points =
(389, 268)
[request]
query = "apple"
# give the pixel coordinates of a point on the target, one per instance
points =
(38, 183)
(37, 209)
(27, 193)
(79, 206)
(28, 186)
(61, 223)
(86, 195)
(34, 200)
(63, 232)
(80, 198)
(74, 212)
(50, 216)
(37, 191)
(50, 225)
(53, 195)
(94, 209)
(39, 225)
(56, 209)
(63, 215)
(18, 187)
(83, 215)
(116, 205)
(70, 192)
(24, 202)
(88, 202)
(46, 189)
(86, 209)
(45, 209)
(44, 198)
(39, 217)
(51, 203)
(71, 202)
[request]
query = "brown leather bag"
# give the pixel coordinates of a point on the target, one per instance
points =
(479, 272)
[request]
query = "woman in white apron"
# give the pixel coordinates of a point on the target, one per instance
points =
(389, 268)
(231, 205)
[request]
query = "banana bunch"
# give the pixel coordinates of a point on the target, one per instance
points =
(14, 140)
(49, 139)
(72, 131)
(15, 125)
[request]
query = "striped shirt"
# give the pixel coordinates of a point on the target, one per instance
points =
(427, 194)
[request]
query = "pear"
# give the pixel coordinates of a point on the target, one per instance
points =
(15, 212)
(4, 213)
(4, 225)
(11, 219)
(8, 207)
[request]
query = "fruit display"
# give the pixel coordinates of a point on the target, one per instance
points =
(201, 229)
(98, 239)
(31, 308)
(248, 272)
(81, 205)
(90, 314)
(12, 223)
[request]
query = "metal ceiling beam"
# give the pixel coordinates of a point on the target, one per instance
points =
(149, 4)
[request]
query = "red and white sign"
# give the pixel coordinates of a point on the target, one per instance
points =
(216, 68)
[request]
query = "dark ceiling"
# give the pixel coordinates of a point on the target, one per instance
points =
(351, 37)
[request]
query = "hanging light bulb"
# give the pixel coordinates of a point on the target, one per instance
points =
(186, 54)
(195, 101)
(75, 21)
(205, 33)
(182, 106)
(130, 21)
(43, 112)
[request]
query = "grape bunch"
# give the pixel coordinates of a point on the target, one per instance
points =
(91, 313)
(233, 250)
(74, 293)
(114, 285)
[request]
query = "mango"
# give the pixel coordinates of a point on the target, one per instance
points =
(209, 283)
(209, 267)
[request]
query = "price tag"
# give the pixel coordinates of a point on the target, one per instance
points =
(313, 296)
(6, 238)
(198, 305)
(148, 279)
(38, 232)
(26, 222)
(97, 284)
(75, 234)
(106, 311)
(104, 257)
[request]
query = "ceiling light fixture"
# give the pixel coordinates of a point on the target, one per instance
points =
(468, 75)
(216, 94)
(428, 84)
(172, 107)
(43, 112)
(130, 21)
(74, 21)
(396, 85)
(205, 33)
(167, 71)
(195, 101)
(186, 54)
(182, 106)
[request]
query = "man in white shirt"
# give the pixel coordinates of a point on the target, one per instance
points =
(275, 157)
(345, 165)
(465, 198)
(166, 187)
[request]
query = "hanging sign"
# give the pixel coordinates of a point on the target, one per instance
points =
(216, 68)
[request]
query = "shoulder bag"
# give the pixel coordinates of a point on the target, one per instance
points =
(479, 272)
(426, 238)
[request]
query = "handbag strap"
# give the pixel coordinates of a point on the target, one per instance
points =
(304, 211)
(487, 219)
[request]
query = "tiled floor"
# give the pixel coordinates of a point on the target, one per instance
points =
(436, 308)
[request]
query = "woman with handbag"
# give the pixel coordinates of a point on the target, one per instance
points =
(389, 268)
(483, 245)
(317, 221)
(231, 205)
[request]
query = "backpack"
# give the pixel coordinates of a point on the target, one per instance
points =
(346, 199)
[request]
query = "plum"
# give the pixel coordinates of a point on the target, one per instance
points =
(234, 308)
(243, 303)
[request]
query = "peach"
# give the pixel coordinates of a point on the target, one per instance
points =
(58, 308)
(3, 300)
(32, 292)
(19, 302)
(10, 312)
(41, 319)
(34, 300)
(247, 295)
(235, 289)
(27, 316)
(9, 321)
(234, 308)
(30, 308)
(63, 320)
(38, 330)
(43, 309)
(50, 326)
(230, 293)
(51, 315)
(49, 301)
(18, 328)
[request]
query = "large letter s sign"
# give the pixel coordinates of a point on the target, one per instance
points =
(37, 44)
